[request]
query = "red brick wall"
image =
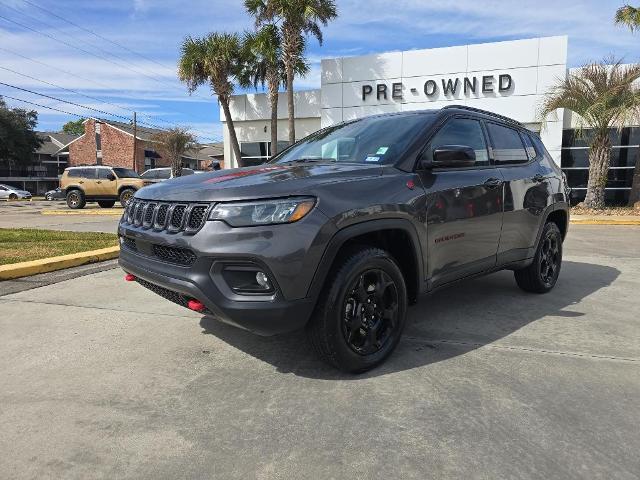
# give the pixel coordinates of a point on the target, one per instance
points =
(117, 148)
(83, 150)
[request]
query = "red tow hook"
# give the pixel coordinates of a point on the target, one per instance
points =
(129, 278)
(195, 305)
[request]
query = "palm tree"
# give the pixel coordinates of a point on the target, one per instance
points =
(263, 64)
(604, 97)
(215, 59)
(296, 19)
(172, 145)
(629, 16)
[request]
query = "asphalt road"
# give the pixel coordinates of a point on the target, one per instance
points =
(101, 379)
(29, 215)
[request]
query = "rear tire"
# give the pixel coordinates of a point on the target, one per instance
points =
(542, 275)
(126, 195)
(13, 196)
(48, 197)
(106, 203)
(361, 311)
(75, 199)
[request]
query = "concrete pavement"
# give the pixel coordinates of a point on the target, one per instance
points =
(102, 379)
(29, 215)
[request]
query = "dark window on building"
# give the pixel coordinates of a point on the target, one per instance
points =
(624, 152)
(507, 145)
(462, 131)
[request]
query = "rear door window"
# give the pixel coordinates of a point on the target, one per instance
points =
(507, 145)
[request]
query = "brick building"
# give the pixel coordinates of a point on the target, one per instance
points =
(106, 142)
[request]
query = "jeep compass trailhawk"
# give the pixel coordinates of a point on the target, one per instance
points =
(340, 232)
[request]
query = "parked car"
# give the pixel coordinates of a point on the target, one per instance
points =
(155, 175)
(342, 231)
(13, 193)
(101, 184)
(55, 194)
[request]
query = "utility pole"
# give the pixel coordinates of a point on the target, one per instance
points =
(135, 135)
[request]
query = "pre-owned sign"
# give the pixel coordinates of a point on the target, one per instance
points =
(450, 86)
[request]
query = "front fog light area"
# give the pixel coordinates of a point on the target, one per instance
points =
(248, 280)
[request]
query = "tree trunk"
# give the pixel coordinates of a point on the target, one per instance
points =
(274, 83)
(634, 194)
(290, 108)
(176, 166)
(224, 101)
(599, 158)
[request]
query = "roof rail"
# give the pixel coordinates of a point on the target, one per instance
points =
(486, 112)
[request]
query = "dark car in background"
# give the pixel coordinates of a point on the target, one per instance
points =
(342, 231)
(55, 194)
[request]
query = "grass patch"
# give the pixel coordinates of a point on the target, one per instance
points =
(24, 244)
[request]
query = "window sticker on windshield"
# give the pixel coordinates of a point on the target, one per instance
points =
(372, 159)
(382, 150)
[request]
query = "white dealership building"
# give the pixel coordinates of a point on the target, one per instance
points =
(509, 78)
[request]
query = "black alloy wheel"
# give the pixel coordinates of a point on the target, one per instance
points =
(370, 312)
(550, 259)
(542, 274)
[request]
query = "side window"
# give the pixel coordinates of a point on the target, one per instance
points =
(507, 145)
(74, 173)
(462, 131)
(103, 173)
(538, 145)
(163, 174)
(528, 146)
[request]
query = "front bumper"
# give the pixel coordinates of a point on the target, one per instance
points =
(288, 253)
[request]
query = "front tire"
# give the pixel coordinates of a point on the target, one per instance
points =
(13, 196)
(542, 275)
(126, 195)
(106, 203)
(48, 197)
(75, 199)
(361, 311)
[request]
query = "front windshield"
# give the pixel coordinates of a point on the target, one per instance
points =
(380, 140)
(125, 173)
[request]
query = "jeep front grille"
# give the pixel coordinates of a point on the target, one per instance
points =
(168, 216)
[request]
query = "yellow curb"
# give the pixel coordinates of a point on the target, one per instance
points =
(33, 267)
(605, 222)
(117, 211)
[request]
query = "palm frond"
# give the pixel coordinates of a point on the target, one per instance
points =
(628, 16)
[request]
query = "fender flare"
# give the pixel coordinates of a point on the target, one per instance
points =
(347, 233)
(564, 206)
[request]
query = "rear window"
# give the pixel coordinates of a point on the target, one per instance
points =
(82, 173)
(507, 145)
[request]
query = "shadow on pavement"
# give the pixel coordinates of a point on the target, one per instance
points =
(448, 323)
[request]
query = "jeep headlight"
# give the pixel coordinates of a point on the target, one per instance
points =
(263, 212)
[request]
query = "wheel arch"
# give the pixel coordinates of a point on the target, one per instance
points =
(397, 236)
(126, 187)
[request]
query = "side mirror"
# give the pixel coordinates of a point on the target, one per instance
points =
(111, 176)
(451, 156)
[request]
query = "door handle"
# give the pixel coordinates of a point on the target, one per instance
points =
(98, 181)
(493, 183)
(538, 178)
(80, 181)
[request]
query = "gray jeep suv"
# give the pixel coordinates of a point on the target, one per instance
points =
(340, 232)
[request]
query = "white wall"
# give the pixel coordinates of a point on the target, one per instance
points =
(251, 115)
(534, 66)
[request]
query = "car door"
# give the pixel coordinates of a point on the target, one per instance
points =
(105, 186)
(87, 181)
(463, 206)
(525, 191)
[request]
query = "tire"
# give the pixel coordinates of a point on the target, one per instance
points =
(75, 199)
(339, 334)
(106, 203)
(48, 197)
(542, 275)
(126, 195)
(13, 196)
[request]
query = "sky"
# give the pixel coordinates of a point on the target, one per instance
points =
(120, 56)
